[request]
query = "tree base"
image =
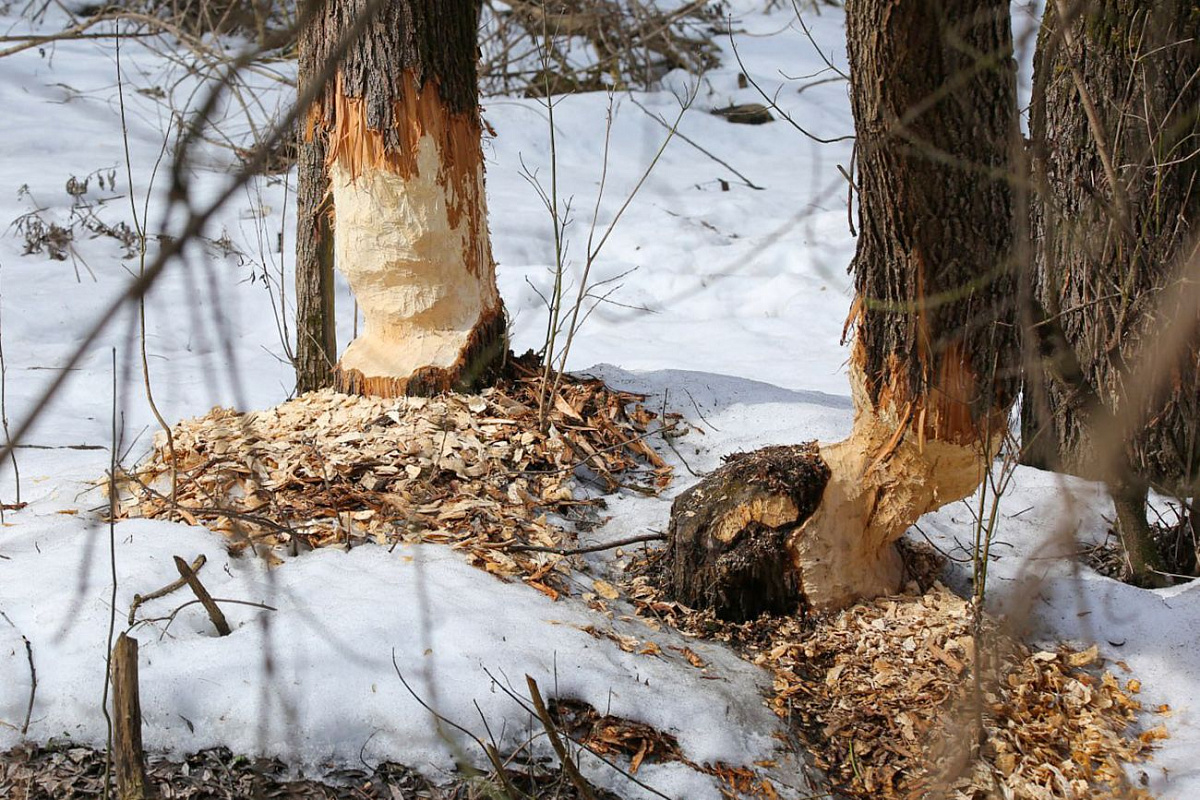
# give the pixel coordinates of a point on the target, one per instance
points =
(727, 543)
(788, 529)
(477, 365)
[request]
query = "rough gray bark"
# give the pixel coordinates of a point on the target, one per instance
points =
(1115, 131)
(434, 40)
(316, 336)
(933, 91)
(935, 362)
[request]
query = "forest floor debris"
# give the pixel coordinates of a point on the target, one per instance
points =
(1178, 545)
(884, 695)
(65, 771)
(476, 472)
(608, 735)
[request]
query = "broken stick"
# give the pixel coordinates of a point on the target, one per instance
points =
(214, 612)
(138, 599)
(127, 721)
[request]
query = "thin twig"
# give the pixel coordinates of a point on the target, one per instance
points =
(596, 548)
(170, 618)
(813, 42)
(490, 752)
(594, 252)
(139, 599)
(4, 413)
(775, 106)
(139, 226)
(749, 183)
(32, 674)
(112, 601)
(516, 698)
(559, 229)
(568, 763)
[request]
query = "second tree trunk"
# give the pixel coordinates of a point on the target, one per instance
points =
(933, 364)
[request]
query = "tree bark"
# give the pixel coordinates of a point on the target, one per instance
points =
(934, 364)
(401, 130)
(1114, 129)
(316, 334)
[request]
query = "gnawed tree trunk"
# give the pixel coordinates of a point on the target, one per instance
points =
(934, 361)
(401, 129)
(1115, 126)
(316, 333)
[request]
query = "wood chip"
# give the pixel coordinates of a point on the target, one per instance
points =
(472, 471)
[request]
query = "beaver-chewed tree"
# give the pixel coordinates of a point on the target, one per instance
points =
(1115, 130)
(934, 360)
(400, 129)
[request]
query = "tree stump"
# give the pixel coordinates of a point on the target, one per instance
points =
(127, 722)
(727, 541)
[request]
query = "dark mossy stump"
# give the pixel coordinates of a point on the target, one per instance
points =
(729, 533)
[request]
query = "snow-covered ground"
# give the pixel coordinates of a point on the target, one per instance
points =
(732, 316)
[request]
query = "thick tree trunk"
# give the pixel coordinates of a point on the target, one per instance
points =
(316, 336)
(402, 131)
(934, 362)
(1114, 129)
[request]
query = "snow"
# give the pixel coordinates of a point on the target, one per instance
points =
(732, 317)
(321, 663)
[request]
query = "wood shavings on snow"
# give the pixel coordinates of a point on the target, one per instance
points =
(472, 471)
(885, 697)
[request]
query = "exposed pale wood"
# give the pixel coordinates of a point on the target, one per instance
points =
(933, 368)
(877, 489)
(401, 132)
(788, 529)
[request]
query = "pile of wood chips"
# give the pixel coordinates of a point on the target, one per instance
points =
(883, 695)
(476, 472)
